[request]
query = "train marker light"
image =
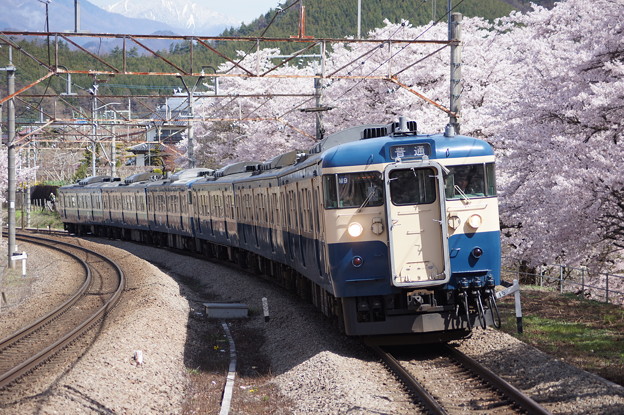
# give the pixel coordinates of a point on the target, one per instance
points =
(454, 222)
(355, 229)
(377, 227)
(475, 221)
(357, 261)
(477, 252)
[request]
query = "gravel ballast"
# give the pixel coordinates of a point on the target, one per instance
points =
(316, 369)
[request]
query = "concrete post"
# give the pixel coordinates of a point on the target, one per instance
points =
(456, 75)
(11, 158)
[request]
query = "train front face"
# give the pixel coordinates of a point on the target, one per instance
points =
(415, 253)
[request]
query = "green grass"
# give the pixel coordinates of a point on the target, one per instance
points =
(586, 333)
(40, 219)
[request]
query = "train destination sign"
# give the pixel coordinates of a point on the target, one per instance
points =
(408, 151)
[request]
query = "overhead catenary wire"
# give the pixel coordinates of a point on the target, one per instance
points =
(254, 109)
(277, 13)
(369, 52)
(343, 95)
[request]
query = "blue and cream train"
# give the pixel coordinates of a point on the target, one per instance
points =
(392, 234)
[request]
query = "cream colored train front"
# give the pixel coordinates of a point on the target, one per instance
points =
(416, 242)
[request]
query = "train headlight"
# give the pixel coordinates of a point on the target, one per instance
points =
(355, 229)
(475, 221)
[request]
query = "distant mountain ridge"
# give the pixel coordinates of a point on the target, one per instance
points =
(330, 18)
(192, 17)
(325, 17)
(29, 16)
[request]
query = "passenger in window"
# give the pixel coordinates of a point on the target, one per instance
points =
(470, 187)
(462, 182)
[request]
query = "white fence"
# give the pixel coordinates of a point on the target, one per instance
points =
(598, 286)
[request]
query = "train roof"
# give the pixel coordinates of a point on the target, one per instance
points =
(92, 181)
(364, 144)
(142, 177)
(389, 148)
(183, 178)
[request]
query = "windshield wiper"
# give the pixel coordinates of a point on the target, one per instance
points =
(461, 193)
(370, 194)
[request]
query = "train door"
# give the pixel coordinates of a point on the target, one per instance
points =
(416, 220)
(319, 226)
(274, 215)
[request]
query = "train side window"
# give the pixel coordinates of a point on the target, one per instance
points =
(357, 189)
(353, 190)
(470, 181)
(490, 179)
(412, 186)
(330, 191)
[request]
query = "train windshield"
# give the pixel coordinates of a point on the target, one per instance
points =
(412, 186)
(353, 190)
(470, 181)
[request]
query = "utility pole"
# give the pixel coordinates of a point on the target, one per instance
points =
(76, 16)
(191, 94)
(113, 152)
(359, 19)
(94, 127)
(11, 157)
(318, 93)
(455, 20)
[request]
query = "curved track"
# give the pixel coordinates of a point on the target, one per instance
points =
(448, 381)
(30, 346)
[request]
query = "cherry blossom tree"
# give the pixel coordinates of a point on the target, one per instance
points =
(23, 174)
(545, 88)
(560, 130)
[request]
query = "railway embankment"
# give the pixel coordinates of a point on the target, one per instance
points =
(293, 363)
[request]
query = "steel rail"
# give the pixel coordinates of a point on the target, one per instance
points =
(413, 386)
(510, 391)
(26, 366)
(20, 334)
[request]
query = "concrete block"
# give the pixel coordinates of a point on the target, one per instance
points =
(226, 310)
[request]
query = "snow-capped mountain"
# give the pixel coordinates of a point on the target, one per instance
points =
(30, 15)
(185, 15)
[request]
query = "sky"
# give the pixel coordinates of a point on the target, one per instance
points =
(236, 10)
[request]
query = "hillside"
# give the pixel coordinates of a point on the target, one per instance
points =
(328, 18)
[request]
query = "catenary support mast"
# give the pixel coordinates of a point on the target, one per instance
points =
(11, 158)
(456, 64)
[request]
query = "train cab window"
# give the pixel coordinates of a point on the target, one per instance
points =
(353, 190)
(470, 181)
(412, 186)
(490, 179)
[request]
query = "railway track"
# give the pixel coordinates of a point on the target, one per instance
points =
(447, 381)
(31, 346)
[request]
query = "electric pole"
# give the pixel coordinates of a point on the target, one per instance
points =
(11, 157)
(456, 64)
(76, 16)
(94, 126)
(359, 19)
(191, 95)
